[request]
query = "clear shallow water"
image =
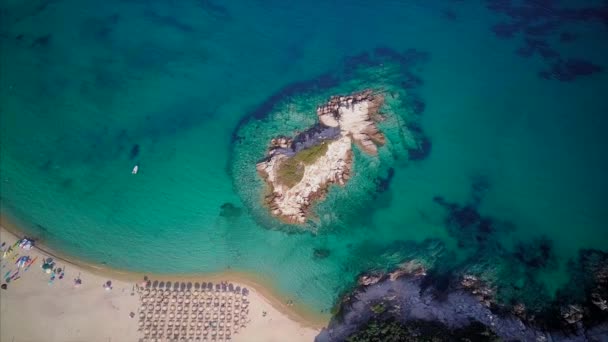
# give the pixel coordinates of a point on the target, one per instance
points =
(82, 84)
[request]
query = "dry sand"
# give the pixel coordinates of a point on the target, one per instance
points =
(33, 310)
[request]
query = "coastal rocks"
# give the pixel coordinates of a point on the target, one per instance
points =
(572, 314)
(370, 279)
(412, 267)
(599, 294)
(479, 289)
(406, 301)
(298, 171)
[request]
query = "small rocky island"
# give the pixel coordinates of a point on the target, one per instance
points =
(299, 170)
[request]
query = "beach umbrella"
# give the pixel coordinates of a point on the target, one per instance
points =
(230, 287)
(238, 289)
(245, 291)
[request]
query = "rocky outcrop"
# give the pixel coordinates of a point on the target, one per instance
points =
(355, 115)
(409, 298)
(344, 120)
(484, 293)
(599, 293)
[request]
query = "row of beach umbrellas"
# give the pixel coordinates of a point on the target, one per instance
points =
(195, 312)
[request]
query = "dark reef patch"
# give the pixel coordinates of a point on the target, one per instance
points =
(383, 183)
(134, 152)
(536, 254)
(449, 14)
(422, 150)
(168, 21)
(42, 41)
(229, 210)
(215, 10)
(535, 19)
(570, 69)
(321, 253)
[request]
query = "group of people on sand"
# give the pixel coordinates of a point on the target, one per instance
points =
(16, 260)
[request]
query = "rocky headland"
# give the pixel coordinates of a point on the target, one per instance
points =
(299, 170)
(409, 303)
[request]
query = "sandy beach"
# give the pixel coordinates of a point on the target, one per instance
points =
(33, 309)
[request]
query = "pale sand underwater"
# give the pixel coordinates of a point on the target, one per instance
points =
(33, 310)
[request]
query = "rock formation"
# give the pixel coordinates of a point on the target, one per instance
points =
(344, 120)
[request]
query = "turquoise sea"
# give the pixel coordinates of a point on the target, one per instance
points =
(506, 98)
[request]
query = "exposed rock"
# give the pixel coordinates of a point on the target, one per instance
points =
(408, 268)
(369, 279)
(479, 289)
(572, 314)
(519, 310)
(599, 301)
(344, 120)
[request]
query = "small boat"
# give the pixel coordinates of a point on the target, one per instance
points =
(135, 169)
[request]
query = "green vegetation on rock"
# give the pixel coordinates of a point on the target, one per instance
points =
(378, 308)
(393, 331)
(291, 171)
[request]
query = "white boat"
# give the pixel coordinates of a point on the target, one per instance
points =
(135, 169)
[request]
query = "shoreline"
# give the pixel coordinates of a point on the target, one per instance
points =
(297, 313)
